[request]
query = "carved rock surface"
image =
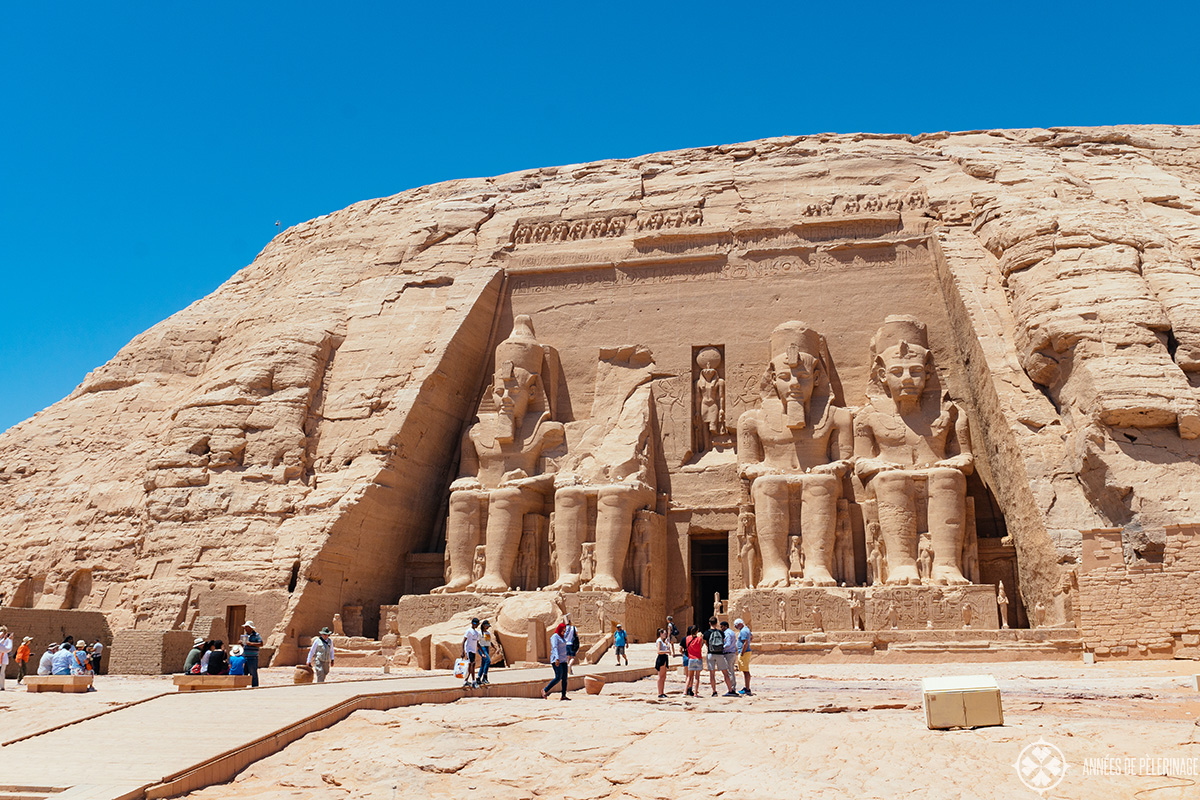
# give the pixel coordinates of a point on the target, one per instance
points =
(286, 442)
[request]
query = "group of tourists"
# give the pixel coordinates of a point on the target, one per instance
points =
(209, 657)
(728, 652)
(68, 657)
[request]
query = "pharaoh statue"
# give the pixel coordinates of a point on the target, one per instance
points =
(797, 443)
(912, 444)
(611, 468)
(1002, 604)
(710, 399)
(505, 468)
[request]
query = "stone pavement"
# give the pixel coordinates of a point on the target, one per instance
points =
(176, 743)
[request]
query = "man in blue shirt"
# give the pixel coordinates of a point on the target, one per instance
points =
(620, 638)
(251, 642)
(64, 659)
(743, 650)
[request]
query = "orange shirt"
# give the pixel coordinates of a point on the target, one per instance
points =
(23, 652)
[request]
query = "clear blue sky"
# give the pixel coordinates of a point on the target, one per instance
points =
(147, 149)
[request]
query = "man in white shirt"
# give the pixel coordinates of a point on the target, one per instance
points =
(46, 664)
(471, 651)
(320, 655)
(6, 646)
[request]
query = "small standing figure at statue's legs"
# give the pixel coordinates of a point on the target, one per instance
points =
(1002, 603)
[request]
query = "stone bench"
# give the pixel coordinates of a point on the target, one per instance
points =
(205, 683)
(58, 683)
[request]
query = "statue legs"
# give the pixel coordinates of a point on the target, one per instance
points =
(462, 536)
(771, 514)
(894, 495)
(947, 524)
(570, 529)
(818, 526)
(507, 508)
(615, 507)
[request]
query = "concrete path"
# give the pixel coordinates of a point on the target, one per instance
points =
(177, 743)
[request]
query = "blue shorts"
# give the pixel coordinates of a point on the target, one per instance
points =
(693, 665)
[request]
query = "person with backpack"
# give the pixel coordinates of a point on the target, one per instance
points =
(572, 638)
(694, 647)
(714, 640)
(674, 637)
(620, 639)
(744, 637)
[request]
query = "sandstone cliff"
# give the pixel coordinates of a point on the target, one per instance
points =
(285, 444)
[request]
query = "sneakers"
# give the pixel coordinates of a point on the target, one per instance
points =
(476, 685)
(662, 697)
(564, 697)
(689, 693)
(746, 693)
(731, 694)
(714, 692)
(466, 684)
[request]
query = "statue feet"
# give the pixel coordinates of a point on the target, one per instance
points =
(945, 575)
(818, 576)
(903, 575)
(490, 583)
(456, 585)
(773, 581)
(604, 583)
(567, 583)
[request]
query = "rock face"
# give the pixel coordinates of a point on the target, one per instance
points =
(284, 448)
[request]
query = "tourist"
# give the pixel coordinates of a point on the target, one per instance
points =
(194, 655)
(204, 659)
(6, 646)
(237, 660)
(251, 643)
(64, 658)
(663, 660)
(572, 639)
(46, 664)
(559, 660)
(218, 660)
(694, 646)
(97, 654)
(674, 637)
(320, 655)
(485, 651)
(743, 654)
(82, 661)
(714, 640)
(730, 651)
(470, 650)
(620, 639)
(23, 658)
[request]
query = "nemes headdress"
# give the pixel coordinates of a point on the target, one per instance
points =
(900, 330)
(520, 350)
(793, 338)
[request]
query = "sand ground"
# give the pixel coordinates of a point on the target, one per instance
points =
(810, 731)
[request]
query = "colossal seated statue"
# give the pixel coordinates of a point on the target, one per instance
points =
(911, 443)
(610, 466)
(796, 443)
(505, 470)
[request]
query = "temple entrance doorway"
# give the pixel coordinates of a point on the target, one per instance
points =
(710, 574)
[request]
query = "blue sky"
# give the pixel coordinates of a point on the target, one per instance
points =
(147, 149)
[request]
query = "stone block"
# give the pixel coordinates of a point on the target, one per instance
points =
(962, 701)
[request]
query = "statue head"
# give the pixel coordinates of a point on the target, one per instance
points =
(709, 359)
(516, 385)
(902, 364)
(797, 368)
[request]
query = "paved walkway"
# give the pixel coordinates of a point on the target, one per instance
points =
(180, 742)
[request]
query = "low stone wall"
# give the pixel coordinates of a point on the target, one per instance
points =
(47, 625)
(150, 652)
(1143, 609)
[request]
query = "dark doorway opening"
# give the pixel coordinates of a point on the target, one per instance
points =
(710, 576)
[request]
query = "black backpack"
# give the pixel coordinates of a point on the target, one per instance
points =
(716, 642)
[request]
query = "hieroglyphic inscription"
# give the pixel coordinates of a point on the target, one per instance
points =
(840, 205)
(605, 226)
(606, 277)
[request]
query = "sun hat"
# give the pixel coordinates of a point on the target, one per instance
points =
(738, 622)
(326, 631)
(249, 624)
(199, 641)
(236, 650)
(27, 639)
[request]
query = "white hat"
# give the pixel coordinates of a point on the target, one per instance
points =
(249, 624)
(199, 641)
(236, 650)
(738, 622)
